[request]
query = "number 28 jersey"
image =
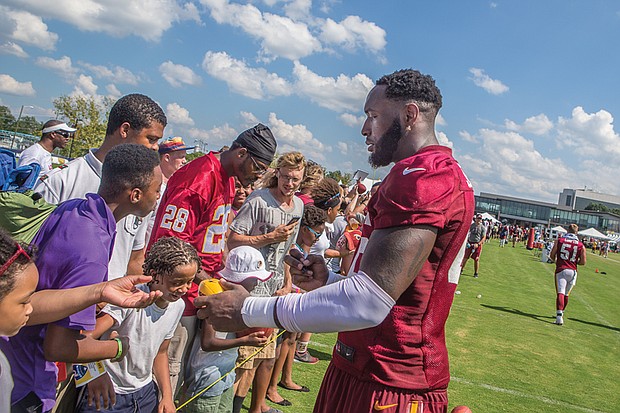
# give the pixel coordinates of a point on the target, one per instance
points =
(195, 208)
(569, 251)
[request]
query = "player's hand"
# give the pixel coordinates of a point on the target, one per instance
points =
(308, 273)
(101, 389)
(283, 232)
(223, 310)
(123, 292)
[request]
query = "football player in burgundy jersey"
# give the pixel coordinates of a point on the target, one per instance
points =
(195, 208)
(567, 252)
(392, 308)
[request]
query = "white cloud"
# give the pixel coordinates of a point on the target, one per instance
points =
(62, 66)
(467, 137)
(251, 82)
(589, 134)
(353, 33)
(444, 140)
(338, 94)
(113, 91)
(493, 5)
(342, 147)
(493, 86)
(537, 125)
(116, 74)
(12, 48)
(145, 18)
(179, 75)
(297, 138)
(352, 120)
(178, 115)
(216, 137)
(85, 87)
(507, 162)
(440, 120)
(24, 27)
(279, 36)
(12, 86)
(298, 9)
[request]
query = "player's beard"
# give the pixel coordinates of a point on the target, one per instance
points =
(384, 149)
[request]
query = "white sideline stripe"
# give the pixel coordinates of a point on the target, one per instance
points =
(526, 395)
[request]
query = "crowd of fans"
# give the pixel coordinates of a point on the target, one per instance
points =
(111, 222)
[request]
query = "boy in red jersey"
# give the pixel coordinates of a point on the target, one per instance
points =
(567, 252)
(391, 311)
(195, 208)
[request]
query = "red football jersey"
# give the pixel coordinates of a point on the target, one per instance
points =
(195, 208)
(407, 350)
(568, 252)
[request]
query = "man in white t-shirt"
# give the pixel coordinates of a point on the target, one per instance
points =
(55, 134)
(136, 119)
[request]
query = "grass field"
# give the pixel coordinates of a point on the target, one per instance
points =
(506, 354)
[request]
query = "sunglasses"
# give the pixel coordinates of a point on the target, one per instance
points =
(317, 235)
(20, 251)
(257, 168)
(63, 133)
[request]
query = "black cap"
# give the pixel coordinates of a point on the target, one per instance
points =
(260, 143)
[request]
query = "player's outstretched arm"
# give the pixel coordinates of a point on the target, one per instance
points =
(52, 305)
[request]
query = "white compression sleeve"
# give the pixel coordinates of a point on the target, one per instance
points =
(354, 303)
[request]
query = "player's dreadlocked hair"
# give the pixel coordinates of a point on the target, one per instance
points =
(326, 194)
(167, 254)
(409, 84)
(8, 248)
(313, 216)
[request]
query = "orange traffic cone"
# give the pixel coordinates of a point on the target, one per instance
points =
(596, 270)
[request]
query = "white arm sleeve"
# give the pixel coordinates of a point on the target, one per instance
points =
(354, 303)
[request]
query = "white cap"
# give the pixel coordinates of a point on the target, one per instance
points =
(245, 262)
(60, 126)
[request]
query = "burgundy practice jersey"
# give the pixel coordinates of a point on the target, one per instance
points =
(195, 208)
(408, 350)
(568, 252)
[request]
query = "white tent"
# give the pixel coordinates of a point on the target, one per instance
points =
(558, 229)
(593, 233)
(488, 216)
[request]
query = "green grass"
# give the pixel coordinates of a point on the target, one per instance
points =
(506, 354)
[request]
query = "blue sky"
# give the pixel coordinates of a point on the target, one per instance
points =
(530, 88)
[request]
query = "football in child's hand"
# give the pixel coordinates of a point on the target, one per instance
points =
(461, 409)
(266, 331)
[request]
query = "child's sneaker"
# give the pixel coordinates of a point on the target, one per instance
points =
(306, 358)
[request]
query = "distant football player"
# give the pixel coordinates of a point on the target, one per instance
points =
(567, 252)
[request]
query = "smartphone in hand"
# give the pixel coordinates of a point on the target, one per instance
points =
(293, 220)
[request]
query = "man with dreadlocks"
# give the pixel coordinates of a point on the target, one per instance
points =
(173, 264)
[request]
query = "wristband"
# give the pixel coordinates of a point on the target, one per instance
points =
(275, 314)
(119, 352)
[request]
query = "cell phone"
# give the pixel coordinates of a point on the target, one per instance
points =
(293, 220)
(359, 175)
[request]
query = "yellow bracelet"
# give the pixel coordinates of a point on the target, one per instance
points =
(119, 353)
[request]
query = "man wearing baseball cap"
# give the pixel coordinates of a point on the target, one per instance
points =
(475, 240)
(173, 152)
(55, 134)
